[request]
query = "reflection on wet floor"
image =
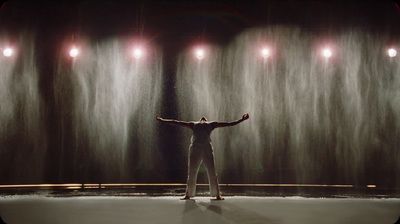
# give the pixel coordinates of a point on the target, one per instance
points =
(178, 189)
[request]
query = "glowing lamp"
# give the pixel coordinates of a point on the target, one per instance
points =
(73, 52)
(137, 53)
(7, 52)
(200, 54)
(265, 53)
(392, 52)
(327, 53)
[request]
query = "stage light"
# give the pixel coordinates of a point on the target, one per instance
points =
(265, 53)
(200, 54)
(137, 53)
(327, 53)
(73, 52)
(392, 52)
(7, 52)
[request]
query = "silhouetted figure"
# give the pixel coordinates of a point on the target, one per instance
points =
(201, 151)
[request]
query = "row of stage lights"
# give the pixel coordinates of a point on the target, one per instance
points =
(265, 53)
(326, 52)
(199, 53)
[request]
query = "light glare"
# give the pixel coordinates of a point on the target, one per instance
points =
(265, 53)
(392, 52)
(7, 52)
(200, 54)
(137, 53)
(327, 53)
(73, 52)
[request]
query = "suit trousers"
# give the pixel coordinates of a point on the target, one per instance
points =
(201, 153)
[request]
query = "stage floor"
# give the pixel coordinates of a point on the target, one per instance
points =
(31, 209)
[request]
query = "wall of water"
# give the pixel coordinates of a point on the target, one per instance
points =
(107, 101)
(23, 138)
(312, 119)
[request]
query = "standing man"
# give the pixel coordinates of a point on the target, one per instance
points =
(201, 151)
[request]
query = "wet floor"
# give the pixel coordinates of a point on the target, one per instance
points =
(240, 209)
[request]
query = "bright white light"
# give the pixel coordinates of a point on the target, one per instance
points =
(392, 52)
(200, 54)
(137, 53)
(327, 53)
(265, 53)
(7, 52)
(73, 52)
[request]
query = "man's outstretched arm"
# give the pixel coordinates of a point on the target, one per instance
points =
(176, 122)
(232, 123)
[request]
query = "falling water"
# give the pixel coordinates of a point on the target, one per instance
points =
(22, 139)
(312, 119)
(108, 100)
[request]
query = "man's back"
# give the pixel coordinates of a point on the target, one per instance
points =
(202, 132)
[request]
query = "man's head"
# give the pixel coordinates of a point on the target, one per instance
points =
(203, 119)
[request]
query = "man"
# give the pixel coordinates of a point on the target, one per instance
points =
(201, 151)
